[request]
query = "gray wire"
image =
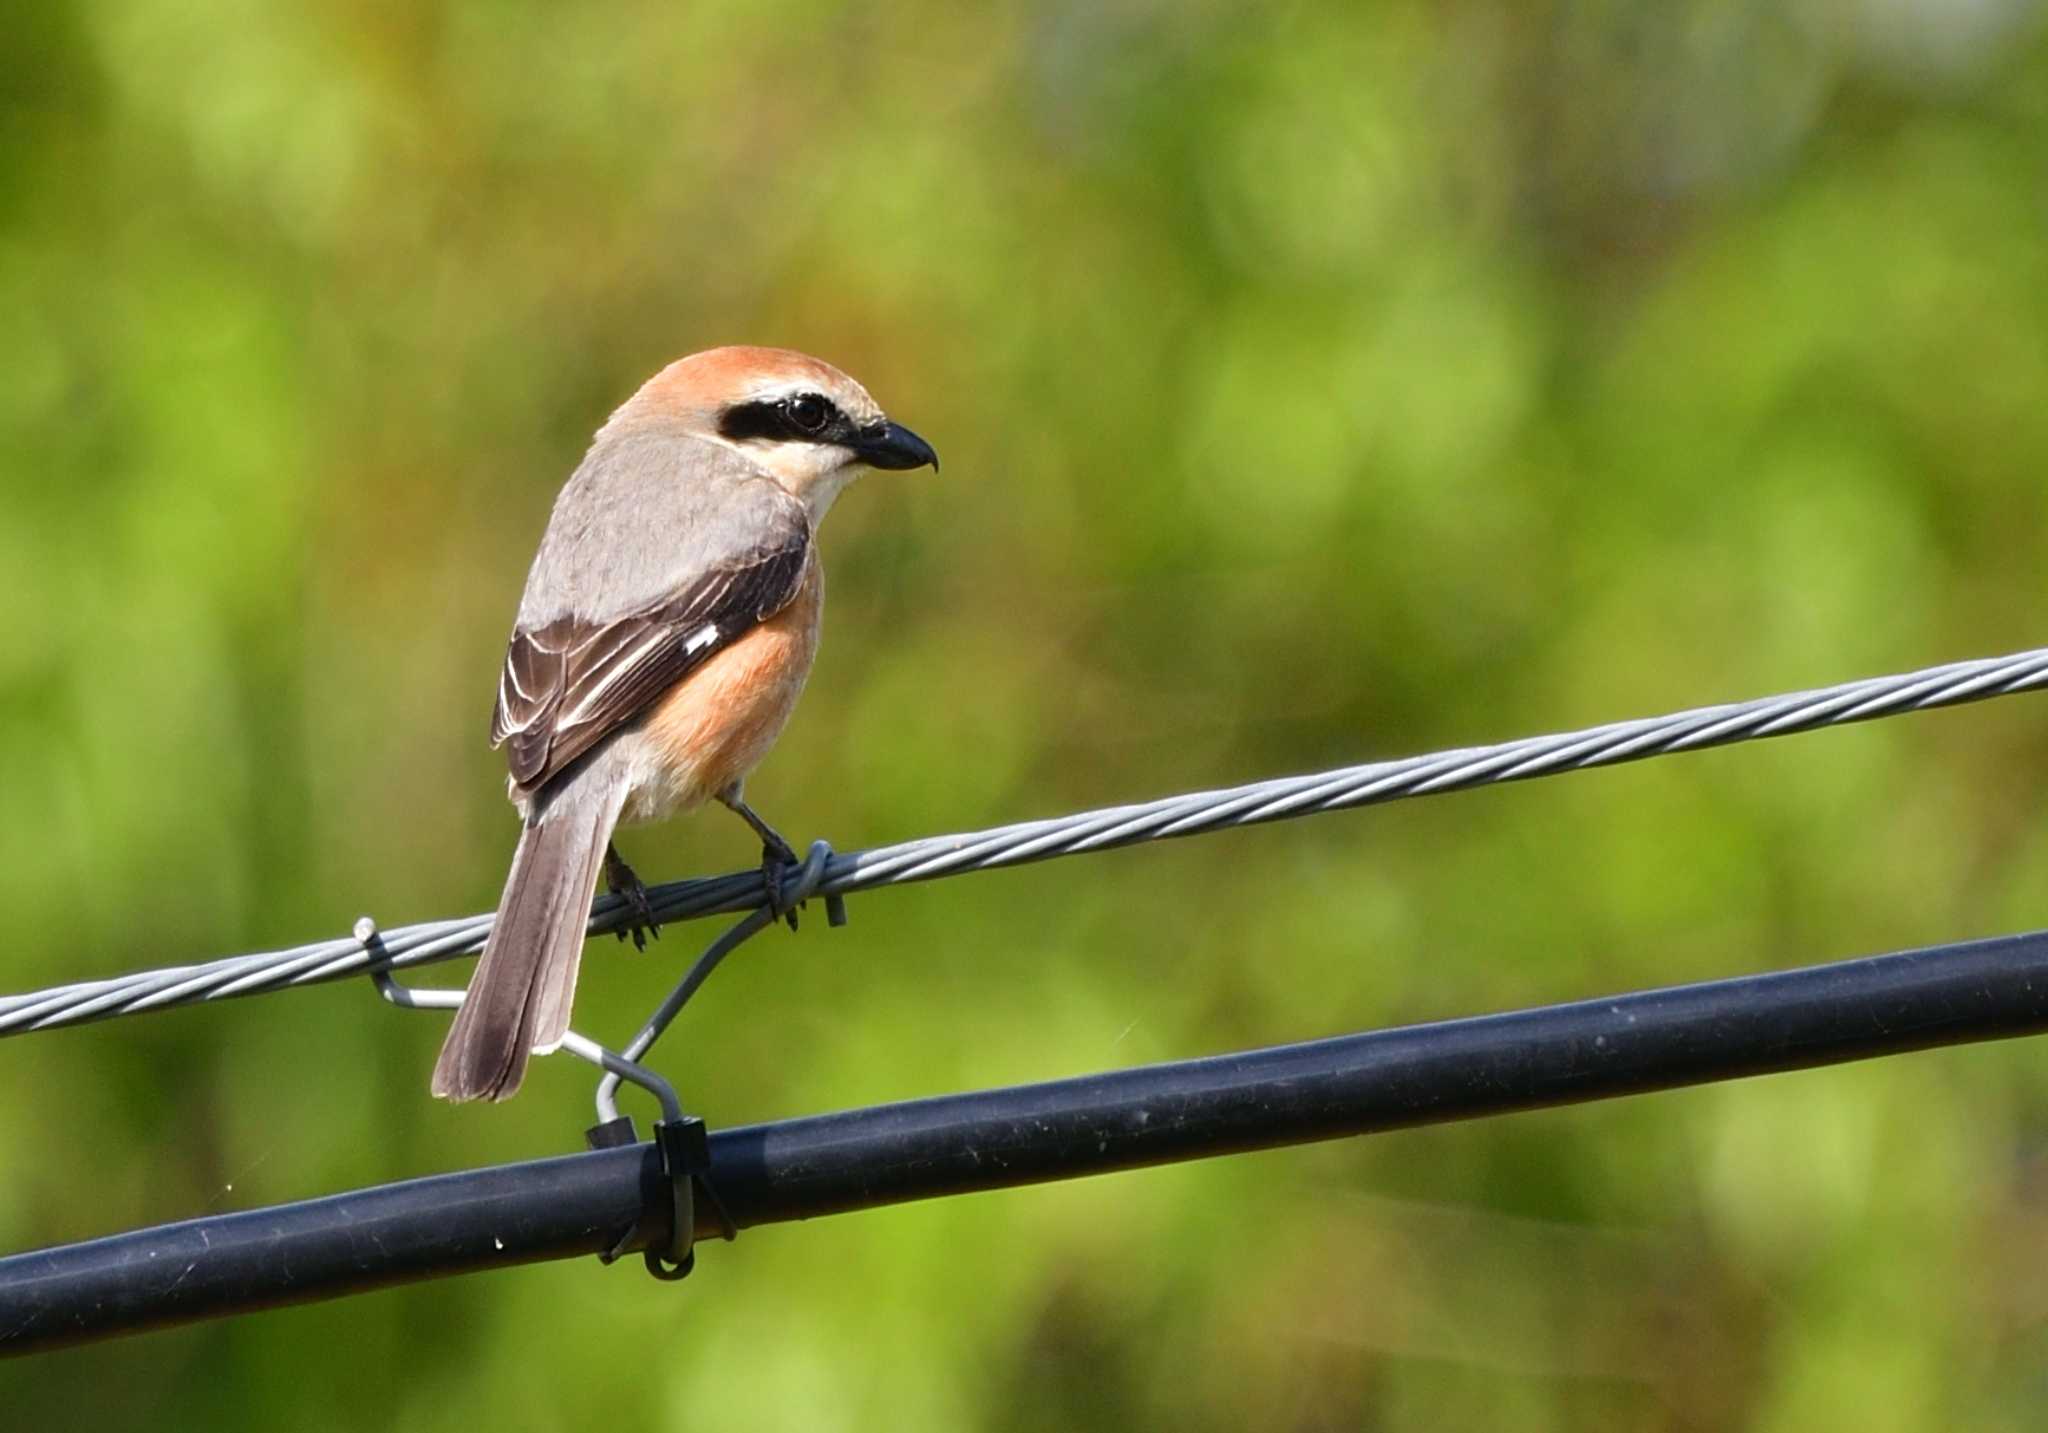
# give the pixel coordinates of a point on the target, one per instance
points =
(1186, 815)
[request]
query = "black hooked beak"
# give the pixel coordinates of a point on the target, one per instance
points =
(891, 445)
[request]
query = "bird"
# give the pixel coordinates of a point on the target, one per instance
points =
(669, 621)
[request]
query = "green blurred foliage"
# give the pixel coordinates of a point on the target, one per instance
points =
(1315, 383)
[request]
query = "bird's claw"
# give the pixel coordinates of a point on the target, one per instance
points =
(621, 881)
(777, 862)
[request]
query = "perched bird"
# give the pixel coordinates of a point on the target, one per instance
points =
(669, 621)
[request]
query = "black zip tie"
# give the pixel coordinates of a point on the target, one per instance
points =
(684, 1148)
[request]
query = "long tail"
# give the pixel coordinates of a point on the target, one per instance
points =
(519, 998)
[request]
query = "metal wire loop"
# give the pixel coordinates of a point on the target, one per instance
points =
(411, 997)
(798, 886)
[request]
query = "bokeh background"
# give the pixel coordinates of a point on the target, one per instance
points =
(1315, 383)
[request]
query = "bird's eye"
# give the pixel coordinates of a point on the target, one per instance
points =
(810, 412)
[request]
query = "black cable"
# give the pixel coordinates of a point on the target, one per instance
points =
(955, 1144)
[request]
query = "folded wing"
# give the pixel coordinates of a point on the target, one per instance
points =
(570, 682)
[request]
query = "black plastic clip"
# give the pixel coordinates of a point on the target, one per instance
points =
(684, 1146)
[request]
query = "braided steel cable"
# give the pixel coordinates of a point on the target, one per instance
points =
(1186, 815)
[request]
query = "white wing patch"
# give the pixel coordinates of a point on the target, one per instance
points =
(698, 640)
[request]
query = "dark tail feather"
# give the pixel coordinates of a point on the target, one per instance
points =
(520, 995)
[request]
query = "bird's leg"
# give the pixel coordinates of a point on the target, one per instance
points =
(778, 857)
(620, 880)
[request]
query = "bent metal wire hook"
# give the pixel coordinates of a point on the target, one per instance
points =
(798, 887)
(681, 1140)
(412, 997)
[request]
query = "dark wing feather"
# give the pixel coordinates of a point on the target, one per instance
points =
(572, 682)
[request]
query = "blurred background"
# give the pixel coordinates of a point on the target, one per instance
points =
(1317, 384)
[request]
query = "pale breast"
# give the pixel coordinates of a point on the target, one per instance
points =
(717, 723)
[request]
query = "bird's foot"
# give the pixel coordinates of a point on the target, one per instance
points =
(778, 863)
(778, 857)
(621, 881)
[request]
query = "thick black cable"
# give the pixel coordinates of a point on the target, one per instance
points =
(958, 1144)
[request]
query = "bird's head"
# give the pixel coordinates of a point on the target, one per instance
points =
(810, 425)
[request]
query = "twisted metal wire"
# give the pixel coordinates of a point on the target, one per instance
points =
(1186, 815)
